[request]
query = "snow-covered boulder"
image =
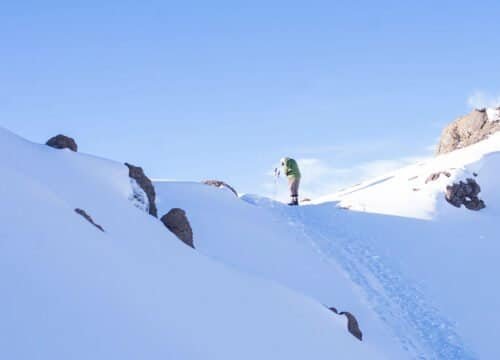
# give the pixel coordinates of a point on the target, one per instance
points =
(139, 179)
(468, 130)
(177, 222)
(62, 142)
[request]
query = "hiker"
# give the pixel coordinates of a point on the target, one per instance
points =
(292, 172)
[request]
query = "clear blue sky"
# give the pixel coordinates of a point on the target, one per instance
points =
(223, 89)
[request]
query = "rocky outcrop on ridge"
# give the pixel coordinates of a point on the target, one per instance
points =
(467, 130)
(62, 142)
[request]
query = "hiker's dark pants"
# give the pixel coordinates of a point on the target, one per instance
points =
(293, 184)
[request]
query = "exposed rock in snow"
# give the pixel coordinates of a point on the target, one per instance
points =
(220, 184)
(352, 323)
(62, 142)
(177, 222)
(465, 193)
(136, 173)
(88, 218)
(467, 130)
(435, 176)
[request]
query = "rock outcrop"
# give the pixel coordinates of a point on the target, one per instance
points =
(467, 130)
(465, 193)
(352, 323)
(436, 176)
(137, 174)
(177, 222)
(62, 142)
(220, 184)
(88, 218)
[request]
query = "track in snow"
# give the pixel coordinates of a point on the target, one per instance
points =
(420, 328)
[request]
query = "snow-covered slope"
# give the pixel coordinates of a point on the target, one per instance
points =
(408, 192)
(418, 274)
(432, 266)
(263, 242)
(70, 291)
(415, 270)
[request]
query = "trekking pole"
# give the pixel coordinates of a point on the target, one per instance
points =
(276, 178)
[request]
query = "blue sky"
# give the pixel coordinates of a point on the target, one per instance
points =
(223, 89)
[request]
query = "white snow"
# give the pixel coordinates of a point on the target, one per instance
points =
(70, 291)
(493, 114)
(264, 243)
(419, 274)
(138, 197)
(405, 192)
(413, 268)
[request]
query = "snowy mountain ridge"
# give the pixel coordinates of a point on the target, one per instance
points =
(132, 291)
(407, 264)
(410, 191)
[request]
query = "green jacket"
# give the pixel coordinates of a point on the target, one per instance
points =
(290, 168)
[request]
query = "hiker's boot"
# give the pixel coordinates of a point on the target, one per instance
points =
(295, 201)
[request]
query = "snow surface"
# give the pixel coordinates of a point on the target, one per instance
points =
(413, 268)
(419, 274)
(261, 242)
(70, 291)
(405, 193)
(493, 114)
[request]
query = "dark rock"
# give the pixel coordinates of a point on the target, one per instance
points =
(146, 185)
(220, 184)
(467, 130)
(352, 323)
(62, 142)
(465, 193)
(88, 218)
(177, 222)
(435, 176)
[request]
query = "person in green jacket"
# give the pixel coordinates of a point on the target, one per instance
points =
(292, 172)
